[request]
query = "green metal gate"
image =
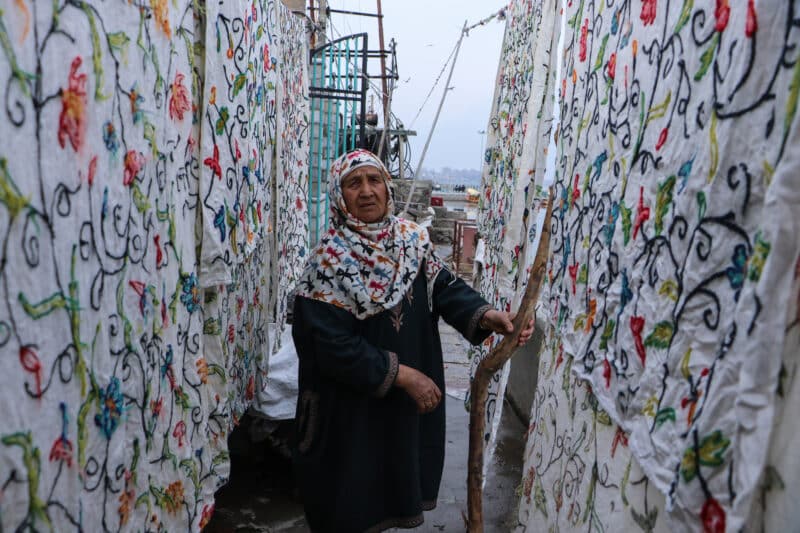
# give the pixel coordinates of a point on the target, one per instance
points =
(338, 92)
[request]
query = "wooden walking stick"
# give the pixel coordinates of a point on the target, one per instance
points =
(486, 369)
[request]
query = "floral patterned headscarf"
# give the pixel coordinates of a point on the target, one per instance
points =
(366, 268)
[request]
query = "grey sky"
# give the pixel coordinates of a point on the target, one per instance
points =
(426, 32)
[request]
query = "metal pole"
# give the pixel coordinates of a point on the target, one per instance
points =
(383, 62)
(339, 121)
(313, 16)
(328, 155)
(348, 105)
(401, 155)
(387, 109)
(364, 81)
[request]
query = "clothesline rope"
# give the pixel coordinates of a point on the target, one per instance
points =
(464, 31)
(435, 83)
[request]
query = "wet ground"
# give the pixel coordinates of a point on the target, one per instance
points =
(260, 496)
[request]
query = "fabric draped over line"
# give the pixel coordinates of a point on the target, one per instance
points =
(290, 235)
(672, 299)
(237, 150)
(515, 156)
(136, 205)
(366, 268)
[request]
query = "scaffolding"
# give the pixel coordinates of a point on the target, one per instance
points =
(339, 81)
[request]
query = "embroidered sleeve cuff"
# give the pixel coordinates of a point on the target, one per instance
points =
(391, 374)
(475, 321)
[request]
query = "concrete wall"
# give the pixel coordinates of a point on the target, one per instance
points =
(522, 378)
(443, 228)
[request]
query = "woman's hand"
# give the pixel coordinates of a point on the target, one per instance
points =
(420, 387)
(500, 322)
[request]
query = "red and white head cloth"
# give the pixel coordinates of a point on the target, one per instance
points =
(366, 268)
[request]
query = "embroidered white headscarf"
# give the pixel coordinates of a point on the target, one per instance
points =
(366, 268)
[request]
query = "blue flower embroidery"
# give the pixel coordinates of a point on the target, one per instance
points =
(110, 137)
(190, 294)
(112, 406)
(737, 270)
(219, 222)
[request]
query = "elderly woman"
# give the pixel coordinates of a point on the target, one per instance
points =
(370, 417)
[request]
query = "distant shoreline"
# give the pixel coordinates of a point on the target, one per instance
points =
(448, 177)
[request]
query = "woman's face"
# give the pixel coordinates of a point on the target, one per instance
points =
(365, 194)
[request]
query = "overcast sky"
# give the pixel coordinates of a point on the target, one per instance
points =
(426, 32)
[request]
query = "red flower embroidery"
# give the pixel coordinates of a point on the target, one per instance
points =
(642, 213)
(156, 406)
(137, 286)
(205, 518)
(134, 161)
(179, 102)
(573, 273)
(722, 14)
(751, 26)
(164, 318)
(72, 121)
(576, 191)
(662, 138)
(619, 438)
(584, 34)
(62, 447)
(159, 252)
(213, 163)
(607, 373)
(612, 66)
(637, 326)
(179, 432)
(713, 517)
(92, 170)
(30, 362)
(648, 15)
(61, 451)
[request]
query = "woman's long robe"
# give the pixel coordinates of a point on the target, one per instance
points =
(364, 459)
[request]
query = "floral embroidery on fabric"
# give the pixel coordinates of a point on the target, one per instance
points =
(136, 177)
(397, 316)
(515, 154)
(671, 265)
